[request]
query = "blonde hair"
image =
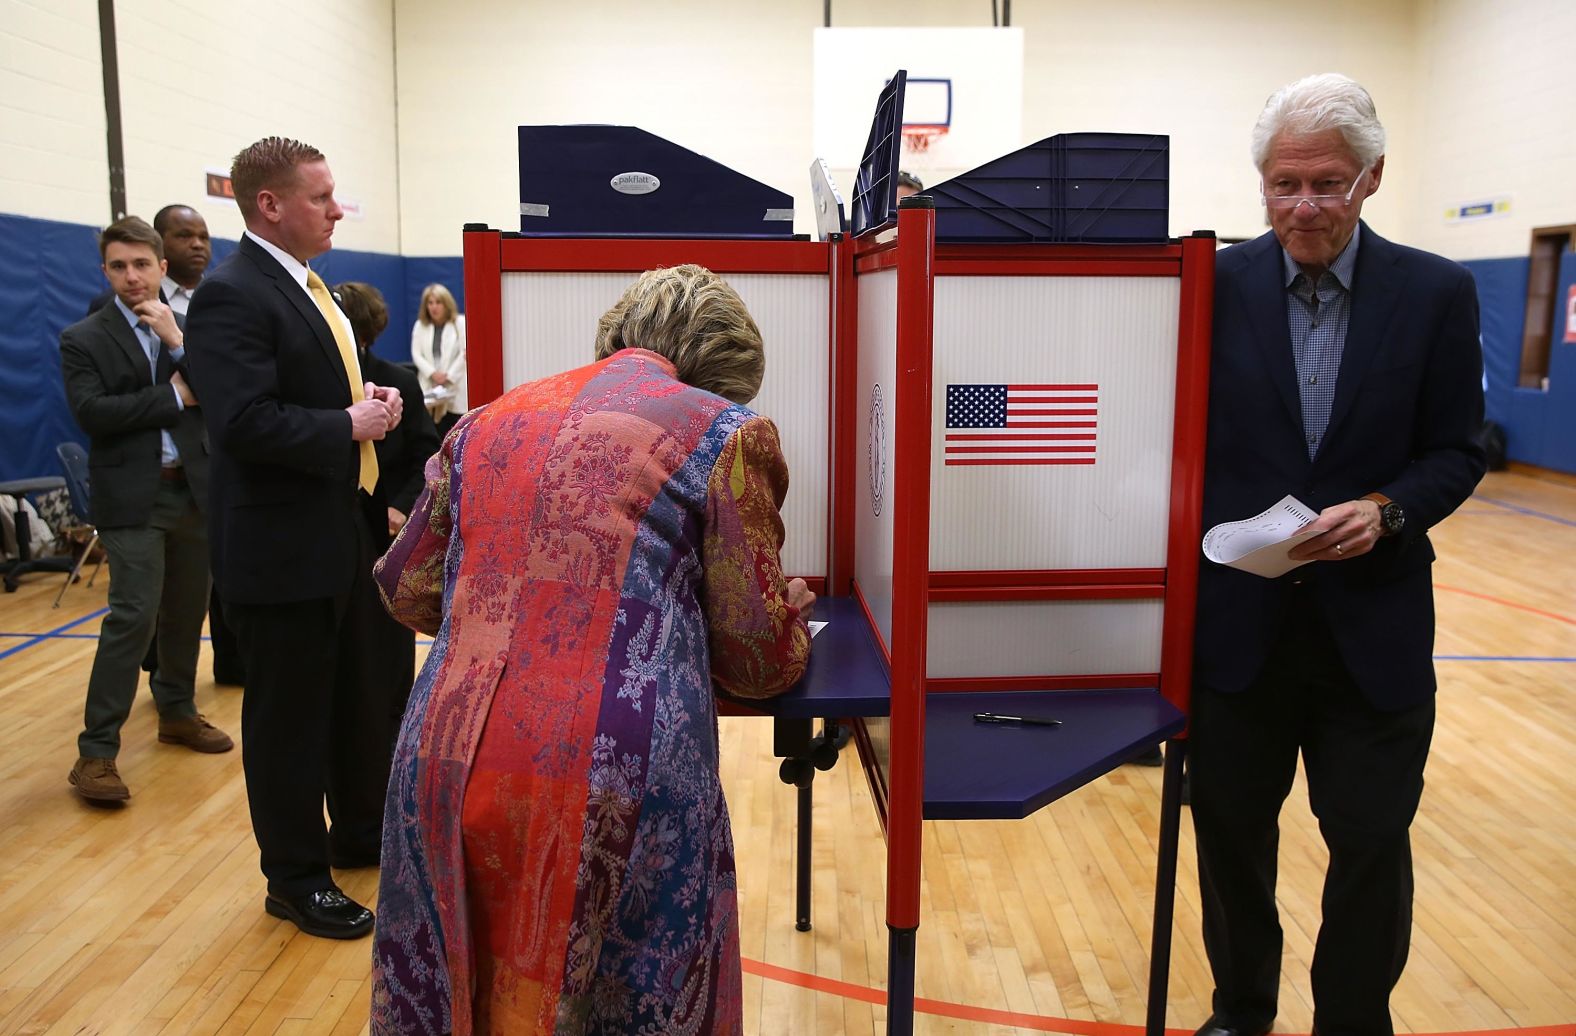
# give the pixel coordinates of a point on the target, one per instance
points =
(690, 316)
(268, 165)
(437, 291)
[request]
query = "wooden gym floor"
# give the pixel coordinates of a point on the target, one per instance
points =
(149, 919)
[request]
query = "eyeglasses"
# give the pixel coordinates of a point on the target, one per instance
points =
(1318, 201)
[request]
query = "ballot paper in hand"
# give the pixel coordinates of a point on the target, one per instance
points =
(1261, 544)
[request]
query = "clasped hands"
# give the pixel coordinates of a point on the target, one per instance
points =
(377, 415)
(1345, 531)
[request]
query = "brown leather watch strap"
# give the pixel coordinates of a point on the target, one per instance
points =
(1383, 502)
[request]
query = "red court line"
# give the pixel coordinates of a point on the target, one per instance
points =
(1036, 1022)
(1556, 616)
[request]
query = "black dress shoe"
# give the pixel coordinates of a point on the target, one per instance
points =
(1218, 1026)
(329, 914)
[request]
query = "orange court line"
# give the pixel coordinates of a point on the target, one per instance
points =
(1556, 616)
(1036, 1022)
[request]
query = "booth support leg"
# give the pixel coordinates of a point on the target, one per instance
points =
(802, 892)
(900, 981)
(1165, 888)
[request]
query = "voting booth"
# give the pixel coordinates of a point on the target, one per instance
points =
(996, 457)
(1025, 533)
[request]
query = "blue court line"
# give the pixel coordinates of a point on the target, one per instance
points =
(59, 634)
(62, 636)
(38, 638)
(1526, 511)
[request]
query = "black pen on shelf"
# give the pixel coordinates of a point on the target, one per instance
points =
(1033, 721)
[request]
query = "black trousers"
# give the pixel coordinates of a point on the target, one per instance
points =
(313, 728)
(228, 666)
(1365, 777)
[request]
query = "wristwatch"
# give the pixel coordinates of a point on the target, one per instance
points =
(1391, 518)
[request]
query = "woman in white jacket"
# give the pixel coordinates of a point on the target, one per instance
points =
(437, 347)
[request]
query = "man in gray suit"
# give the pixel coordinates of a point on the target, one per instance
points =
(124, 375)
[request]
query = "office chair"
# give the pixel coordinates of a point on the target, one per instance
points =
(74, 462)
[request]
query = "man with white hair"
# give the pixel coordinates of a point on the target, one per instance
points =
(1345, 372)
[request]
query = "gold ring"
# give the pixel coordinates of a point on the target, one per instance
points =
(1338, 549)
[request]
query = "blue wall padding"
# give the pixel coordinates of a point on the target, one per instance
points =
(1502, 296)
(1540, 427)
(49, 271)
(1559, 429)
(421, 271)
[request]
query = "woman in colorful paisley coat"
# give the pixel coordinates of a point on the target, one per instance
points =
(594, 553)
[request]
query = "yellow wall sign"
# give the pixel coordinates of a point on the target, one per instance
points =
(1489, 208)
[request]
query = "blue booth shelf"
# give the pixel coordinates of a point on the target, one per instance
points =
(846, 676)
(989, 771)
(1108, 188)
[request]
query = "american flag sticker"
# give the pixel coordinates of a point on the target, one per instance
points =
(1022, 424)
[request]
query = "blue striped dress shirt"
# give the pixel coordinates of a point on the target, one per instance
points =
(1318, 314)
(169, 456)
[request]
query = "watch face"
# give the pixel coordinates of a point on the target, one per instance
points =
(1393, 517)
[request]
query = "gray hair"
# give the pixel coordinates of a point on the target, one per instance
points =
(1317, 103)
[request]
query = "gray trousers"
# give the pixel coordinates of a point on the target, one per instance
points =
(158, 581)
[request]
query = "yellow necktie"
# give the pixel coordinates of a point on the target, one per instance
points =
(347, 356)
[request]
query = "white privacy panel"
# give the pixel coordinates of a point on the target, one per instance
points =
(1059, 393)
(549, 325)
(549, 320)
(1044, 638)
(876, 389)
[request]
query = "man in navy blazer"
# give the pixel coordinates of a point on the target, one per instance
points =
(292, 424)
(1346, 372)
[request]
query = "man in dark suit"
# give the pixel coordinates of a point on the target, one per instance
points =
(123, 370)
(292, 424)
(1346, 372)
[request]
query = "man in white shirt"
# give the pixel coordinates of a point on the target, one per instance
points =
(187, 250)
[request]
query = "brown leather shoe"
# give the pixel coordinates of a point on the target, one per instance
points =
(97, 780)
(195, 733)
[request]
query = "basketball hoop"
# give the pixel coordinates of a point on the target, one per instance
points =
(917, 139)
